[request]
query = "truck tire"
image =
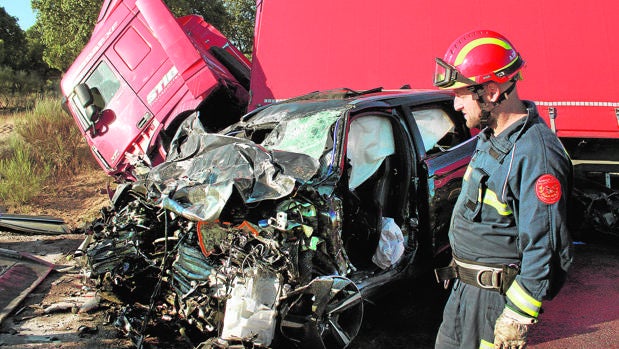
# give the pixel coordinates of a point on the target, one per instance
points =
(236, 68)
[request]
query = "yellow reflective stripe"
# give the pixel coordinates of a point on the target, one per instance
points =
(467, 173)
(491, 199)
(473, 44)
(486, 345)
(525, 303)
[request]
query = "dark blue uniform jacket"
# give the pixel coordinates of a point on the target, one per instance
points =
(513, 206)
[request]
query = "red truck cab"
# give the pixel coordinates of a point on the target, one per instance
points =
(142, 71)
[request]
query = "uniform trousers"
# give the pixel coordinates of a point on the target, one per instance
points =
(469, 317)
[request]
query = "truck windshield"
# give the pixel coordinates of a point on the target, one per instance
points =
(103, 82)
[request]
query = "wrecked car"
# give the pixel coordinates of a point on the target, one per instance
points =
(276, 230)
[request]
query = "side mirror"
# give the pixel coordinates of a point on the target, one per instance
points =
(84, 95)
(87, 98)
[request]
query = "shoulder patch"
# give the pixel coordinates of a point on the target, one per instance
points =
(548, 189)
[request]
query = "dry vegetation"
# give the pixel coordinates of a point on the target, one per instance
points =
(46, 167)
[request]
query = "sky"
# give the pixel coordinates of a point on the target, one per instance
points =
(20, 9)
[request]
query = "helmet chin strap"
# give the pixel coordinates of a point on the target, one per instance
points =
(484, 118)
(486, 112)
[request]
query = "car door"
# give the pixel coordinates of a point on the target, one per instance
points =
(445, 147)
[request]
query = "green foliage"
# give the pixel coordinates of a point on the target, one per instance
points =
(19, 89)
(6, 76)
(54, 139)
(65, 27)
(46, 145)
(19, 81)
(240, 27)
(22, 70)
(12, 41)
(33, 56)
(212, 11)
(21, 178)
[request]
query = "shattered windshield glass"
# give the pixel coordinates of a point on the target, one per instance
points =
(301, 127)
(307, 135)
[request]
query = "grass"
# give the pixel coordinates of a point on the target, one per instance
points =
(20, 177)
(45, 145)
(54, 137)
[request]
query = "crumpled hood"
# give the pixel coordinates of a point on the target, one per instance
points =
(202, 169)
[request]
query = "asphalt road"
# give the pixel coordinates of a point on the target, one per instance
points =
(585, 314)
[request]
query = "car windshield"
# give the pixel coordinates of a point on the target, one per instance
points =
(307, 128)
(307, 135)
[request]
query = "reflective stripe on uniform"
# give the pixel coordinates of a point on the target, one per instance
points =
(520, 298)
(467, 173)
(486, 345)
(491, 199)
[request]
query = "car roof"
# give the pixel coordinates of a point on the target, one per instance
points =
(400, 97)
(361, 99)
(357, 100)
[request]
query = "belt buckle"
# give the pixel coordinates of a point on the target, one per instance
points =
(495, 279)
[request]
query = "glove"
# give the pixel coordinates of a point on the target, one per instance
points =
(510, 330)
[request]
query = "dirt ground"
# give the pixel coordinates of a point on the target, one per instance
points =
(77, 201)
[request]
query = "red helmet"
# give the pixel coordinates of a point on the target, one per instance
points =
(477, 57)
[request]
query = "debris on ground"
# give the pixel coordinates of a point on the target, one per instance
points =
(20, 273)
(33, 224)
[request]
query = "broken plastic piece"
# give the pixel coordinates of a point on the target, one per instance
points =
(33, 224)
(59, 307)
(91, 304)
(250, 310)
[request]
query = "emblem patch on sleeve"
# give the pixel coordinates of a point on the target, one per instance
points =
(548, 189)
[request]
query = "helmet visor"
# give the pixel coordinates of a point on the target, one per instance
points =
(447, 76)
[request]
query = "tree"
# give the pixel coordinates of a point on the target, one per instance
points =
(65, 27)
(33, 54)
(240, 26)
(12, 40)
(212, 11)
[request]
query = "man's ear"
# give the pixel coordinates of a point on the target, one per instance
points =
(493, 91)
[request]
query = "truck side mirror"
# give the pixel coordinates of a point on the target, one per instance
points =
(87, 99)
(83, 94)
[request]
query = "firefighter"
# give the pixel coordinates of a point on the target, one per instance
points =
(508, 232)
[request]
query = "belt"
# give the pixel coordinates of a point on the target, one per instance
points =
(494, 277)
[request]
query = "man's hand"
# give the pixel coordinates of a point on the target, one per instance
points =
(510, 330)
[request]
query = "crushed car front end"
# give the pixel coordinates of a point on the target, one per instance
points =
(253, 236)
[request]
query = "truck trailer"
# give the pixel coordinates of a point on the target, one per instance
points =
(570, 48)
